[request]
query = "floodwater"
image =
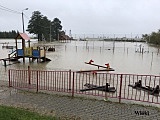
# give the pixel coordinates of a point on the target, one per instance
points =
(124, 57)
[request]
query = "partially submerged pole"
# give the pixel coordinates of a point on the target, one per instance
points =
(152, 59)
(5, 65)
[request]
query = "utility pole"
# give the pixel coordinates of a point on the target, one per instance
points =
(23, 19)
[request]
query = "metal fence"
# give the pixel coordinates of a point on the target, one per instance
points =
(121, 86)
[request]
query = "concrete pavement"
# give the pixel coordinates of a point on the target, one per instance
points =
(64, 107)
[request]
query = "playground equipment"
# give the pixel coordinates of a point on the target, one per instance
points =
(6, 46)
(150, 90)
(99, 66)
(107, 67)
(38, 53)
(105, 88)
(30, 52)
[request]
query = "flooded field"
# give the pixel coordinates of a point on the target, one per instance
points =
(124, 57)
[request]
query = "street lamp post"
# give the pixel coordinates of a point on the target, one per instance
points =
(23, 19)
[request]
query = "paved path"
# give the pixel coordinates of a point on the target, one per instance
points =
(75, 108)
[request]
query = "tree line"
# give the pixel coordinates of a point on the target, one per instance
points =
(43, 27)
(40, 26)
(10, 34)
(153, 38)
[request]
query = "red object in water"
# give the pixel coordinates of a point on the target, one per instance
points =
(108, 66)
(91, 61)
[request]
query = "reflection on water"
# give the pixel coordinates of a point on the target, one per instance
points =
(122, 56)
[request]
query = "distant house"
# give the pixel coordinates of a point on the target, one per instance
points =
(63, 36)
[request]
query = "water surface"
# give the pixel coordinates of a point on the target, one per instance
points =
(121, 56)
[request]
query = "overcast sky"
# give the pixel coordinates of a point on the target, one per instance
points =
(87, 16)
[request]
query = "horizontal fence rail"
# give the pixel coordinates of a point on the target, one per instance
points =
(143, 88)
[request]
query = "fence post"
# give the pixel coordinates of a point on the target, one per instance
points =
(73, 86)
(120, 88)
(106, 97)
(9, 76)
(29, 75)
(69, 79)
(37, 82)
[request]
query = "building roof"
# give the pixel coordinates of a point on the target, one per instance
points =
(23, 36)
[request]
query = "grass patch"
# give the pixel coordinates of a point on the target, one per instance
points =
(10, 113)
